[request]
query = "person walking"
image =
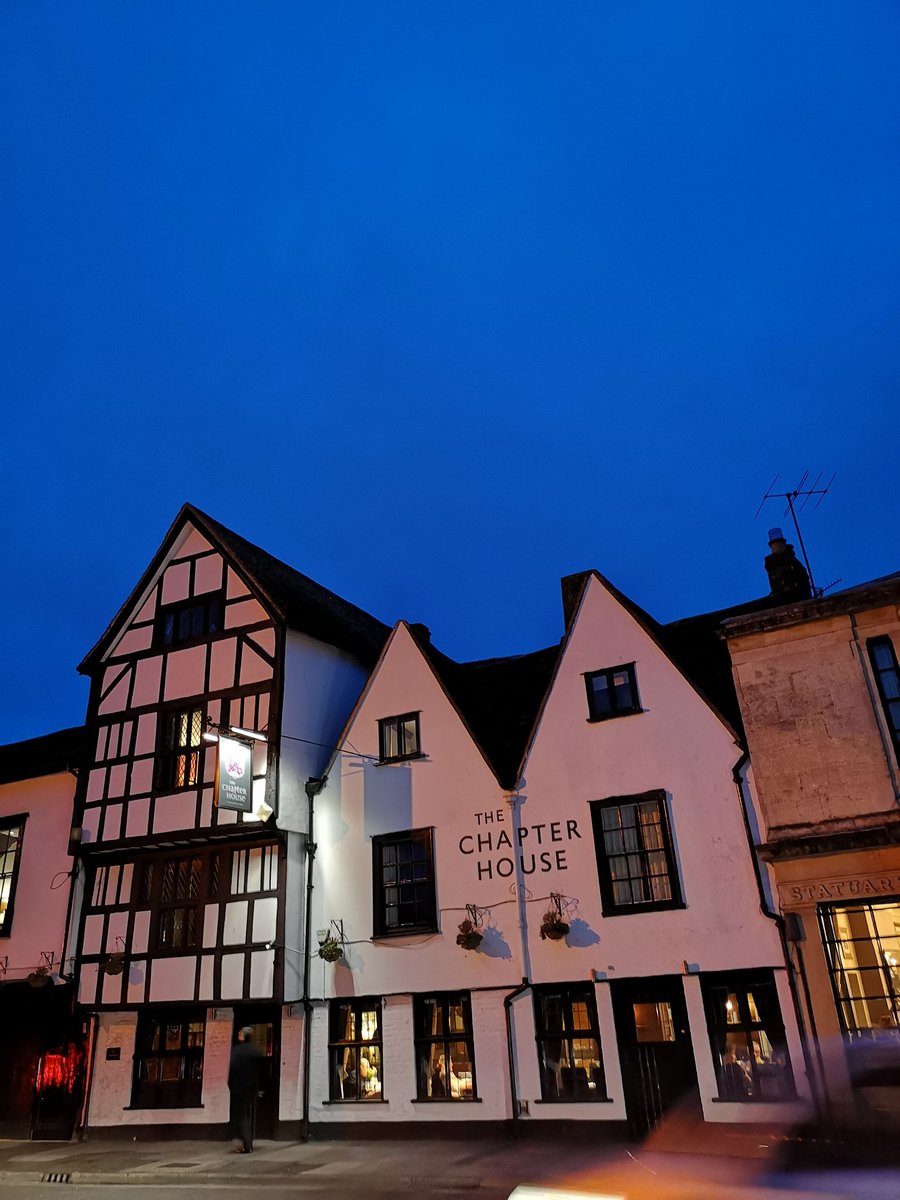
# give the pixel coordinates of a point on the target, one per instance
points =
(243, 1081)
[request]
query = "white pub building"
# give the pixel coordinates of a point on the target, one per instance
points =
(519, 890)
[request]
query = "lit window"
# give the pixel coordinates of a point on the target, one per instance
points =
(179, 756)
(11, 829)
(354, 1049)
(568, 1039)
(746, 1034)
(612, 692)
(403, 871)
(445, 1059)
(168, 1064)
(887, 677)
(398, 738)
(191, 619)
(635, 861)
(862, 942)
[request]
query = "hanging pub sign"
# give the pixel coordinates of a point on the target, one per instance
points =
(234, 775)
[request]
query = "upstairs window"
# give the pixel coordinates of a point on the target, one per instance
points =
(887, 679)
(176, 889)
(398, 738)
(190, 619)
(635, 859)
(11, 829)
(168, 1065)
(612, 692)
(403, 872)
(179, 755)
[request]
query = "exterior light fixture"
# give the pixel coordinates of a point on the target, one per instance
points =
(248, 733)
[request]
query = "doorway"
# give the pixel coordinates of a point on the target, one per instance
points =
(654, 1040)
(264, 1022)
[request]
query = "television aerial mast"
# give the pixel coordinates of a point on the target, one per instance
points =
(803, 491)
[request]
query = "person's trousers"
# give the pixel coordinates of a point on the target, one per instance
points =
(242, 1118)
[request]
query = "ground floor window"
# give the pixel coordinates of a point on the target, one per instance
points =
(862, 942)
(568, 1042)
(445, 1059)
(354, 1049)
(746, 1033)
(168, 1064)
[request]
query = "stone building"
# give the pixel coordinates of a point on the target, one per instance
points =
(819, 690)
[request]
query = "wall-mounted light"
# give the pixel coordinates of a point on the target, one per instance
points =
(253, 734)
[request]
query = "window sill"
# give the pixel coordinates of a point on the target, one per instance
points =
(427, 931)
(578, 1100)
(373, 1100)
(448, 1100)
(404, 758)
(635, 909)
(795, 1099)
(628, 712)
(157, 1107)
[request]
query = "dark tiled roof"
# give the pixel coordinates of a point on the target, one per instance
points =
(47, 755)
(304, 605)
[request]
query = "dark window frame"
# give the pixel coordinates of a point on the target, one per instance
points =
(338, 1087)
(7, 824)
(610, 905)
(770, 1023)
(424, 1040)
(568, 994)
(176, 926)
(187, 1090)
(838, 972)
(398, 721)
(873, 645)
(380, 869)
(188, 621)
(170, 753)
(615, 710)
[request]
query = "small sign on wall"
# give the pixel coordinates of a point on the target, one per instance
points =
(234, 775)
(113, 1053)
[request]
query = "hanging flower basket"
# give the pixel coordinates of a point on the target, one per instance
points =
(469, 937)
(39, 977)
(553, 926)
(331, 950)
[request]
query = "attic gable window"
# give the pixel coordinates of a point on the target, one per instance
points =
(612, 692)
(190, 619)
(398, 738)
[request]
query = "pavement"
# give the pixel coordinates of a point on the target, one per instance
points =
(738, 1165)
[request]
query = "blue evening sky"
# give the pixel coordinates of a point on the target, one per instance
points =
(439, 302)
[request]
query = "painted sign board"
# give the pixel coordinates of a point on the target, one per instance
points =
(234, 775)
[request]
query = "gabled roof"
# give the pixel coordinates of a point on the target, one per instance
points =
(47, 755)
(302, 604)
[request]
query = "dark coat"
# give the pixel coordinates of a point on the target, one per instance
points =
(243, 1068)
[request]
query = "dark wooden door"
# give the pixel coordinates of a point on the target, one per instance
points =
(658, 1069)
(264, 1021)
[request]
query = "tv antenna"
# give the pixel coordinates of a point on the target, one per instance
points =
(806, 492)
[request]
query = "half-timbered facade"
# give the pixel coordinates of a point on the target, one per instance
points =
(191, 912)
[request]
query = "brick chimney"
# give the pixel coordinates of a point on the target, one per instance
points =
(788, 579)
(572, 588)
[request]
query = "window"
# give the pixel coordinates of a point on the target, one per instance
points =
(177, 623)
(568, 1043)
(635, 861)
(168, 1064)
(612, 692)
(11, 830)
(254, 870)
(398, 738)
(862, 943)
(354, 1049)
(179, 756)
(403, 873)
(445, 1060)
(887, 678)
(176, 889)
(746, 1033)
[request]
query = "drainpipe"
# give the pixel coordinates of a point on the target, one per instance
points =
(312, 787)
(768, 911)
(507, 1012)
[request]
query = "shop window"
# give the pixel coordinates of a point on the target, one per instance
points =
(612, 692)
(190, 619)
(746, 1033)
(568, 1040)
(398, 738)
(354, 1049)
(403, 872)
(887, 677)
(11, 830)
(179, 753)
(445, 1059)
(168, 1065)
(635, 859)
(862, 943)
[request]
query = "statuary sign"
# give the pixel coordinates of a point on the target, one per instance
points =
(234, 775)
(845, 890)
